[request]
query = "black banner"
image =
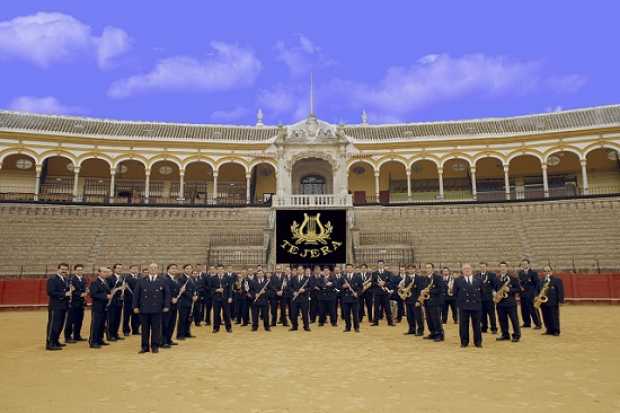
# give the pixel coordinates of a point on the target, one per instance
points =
(311, 236)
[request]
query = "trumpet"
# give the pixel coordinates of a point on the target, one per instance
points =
(425, 294)
(502, 292)
(542, 297)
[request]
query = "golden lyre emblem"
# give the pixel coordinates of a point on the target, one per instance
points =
(311, 231)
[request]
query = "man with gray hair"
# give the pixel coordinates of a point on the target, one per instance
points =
(468, 291)
(150, 300)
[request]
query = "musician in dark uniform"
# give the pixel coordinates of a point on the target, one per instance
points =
(434, 304)
(100, 295)
(131, 321)
(392, 285)
(350, 284)
(337, 277)
(186, 302)
(530, 286)
(276, 299)
(208, 295)
(231, 275)
(313, 309)
(77, 303)
(507, 307)
(115, 307)
(328, 298)
(468, 291)
(169, 318)
(58, 293)
(415, 316)
(243, 317)
(300, 285)
(221, 290)
(287, 294)
(366, 297)
(554, 291)
(489, 285)
(381, 294)
(151, 299)
(450, 300)
(259, 290)
(197, 315)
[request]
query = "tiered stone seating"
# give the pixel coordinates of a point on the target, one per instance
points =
(575, 234)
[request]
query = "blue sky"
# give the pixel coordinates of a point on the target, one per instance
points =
(218, 62)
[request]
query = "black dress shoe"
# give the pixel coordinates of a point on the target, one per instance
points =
(526, 326)
(95, 346)
(493, 332)
(119, 338)
(307, 329)
(216, 330)
(79, 339)
(429, 337)
(155, 350)
(409, 333)
(391, 324)
(292, 329)
(556, 334)
(464, 345)
(537, 327)
(374, 324)
(69, 341)
(229, 330)
(515, 339)
(135, 334)
(165, 346)
(420, 334)
(438, 339)
(254, 328)
(190, 336)
(268, 329)
(126, 334)
(104, 343)
(113, 339)
(546, 333)
(478, 345)
(173, 343)
(502, 338)
(144, 350)
(357, 330)
(53, 348)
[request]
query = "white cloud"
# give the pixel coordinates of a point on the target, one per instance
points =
(567, 84)
(45, 38)
(47, 105)
(229, 67)
(302, 57)
(229, 115)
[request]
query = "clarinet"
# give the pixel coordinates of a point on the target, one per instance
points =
(296, 293)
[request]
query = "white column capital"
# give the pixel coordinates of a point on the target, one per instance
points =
(147, 172)
(215, 174)
(506, 167)
(583, 162)
(377, 174)
(408, 171)
(440, 170)
(544, 166)
(38, 168)
(76, 170)
(472, 169)
(248, 176)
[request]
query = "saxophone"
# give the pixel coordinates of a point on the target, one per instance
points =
(542, 297)
(405, 292)
(502, 292)
(425, 294)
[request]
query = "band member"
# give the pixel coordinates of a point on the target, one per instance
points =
(276, 289)
(350, 286)
(249, 300)
(393, 284)
(77, 302)
(434, 304)
(489, 284)
(221, 288)
(169, 318)
(507, 306)
(151, 299)
(131, 321)
(468, 291)
(115, 307)
(553, 289)
(233, 305)
(314, 293)
(287, 294)
(450, 300)
(208, 294)
(415, 314)
(100, 295)
(338, 276)
(197, 315)
(243, 316)
(381, 294)
(366, 297)
(186, 302)
(259, 288)
(58, 293)
(530, 286)
(300, 285)
(328, 298)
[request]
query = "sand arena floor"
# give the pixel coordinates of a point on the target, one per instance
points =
(378, 370)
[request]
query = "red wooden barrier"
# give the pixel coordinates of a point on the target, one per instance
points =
(596, 287)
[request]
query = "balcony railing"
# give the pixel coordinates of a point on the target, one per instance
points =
(314, 200)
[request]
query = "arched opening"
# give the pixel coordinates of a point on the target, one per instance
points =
(231, 184)
(525, 172)
(603, 170)
(312, 167)
(57, 179)
(17, 177)
(457, 179)
(424, 180)
(392, 182)
(198, 188)
(130, 182)
(490, 185)
(94, 180)
(262, 183)
(164, 182)
(361, 182)
(563, 174)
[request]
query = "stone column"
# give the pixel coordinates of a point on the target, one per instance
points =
(248, 177)
(507, 181)
(440, 175)
(584, 176)
(76, 178)
(474, 190)
(545, 180)
(214, 186)
(147, 185)
(37, 182)
(408, 172)
(181, 196)
(377, 186)
(112, 184)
